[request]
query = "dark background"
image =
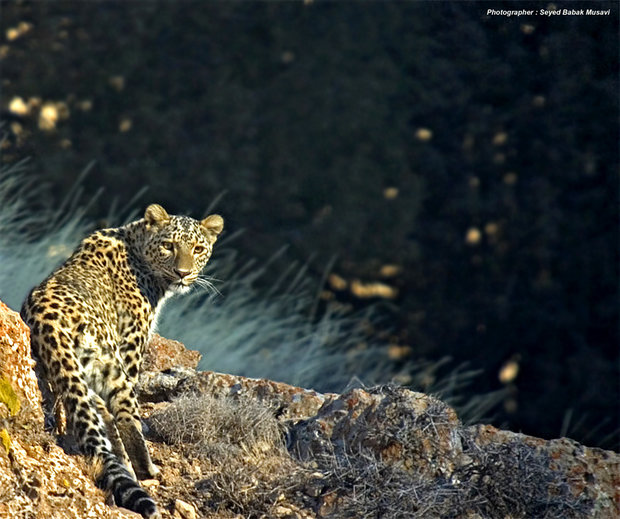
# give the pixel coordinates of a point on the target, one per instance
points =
(478, 154)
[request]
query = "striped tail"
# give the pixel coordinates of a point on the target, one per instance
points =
(127, 493)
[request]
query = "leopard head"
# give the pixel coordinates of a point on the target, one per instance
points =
(179, 247)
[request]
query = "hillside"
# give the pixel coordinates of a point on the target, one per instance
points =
(230, 446)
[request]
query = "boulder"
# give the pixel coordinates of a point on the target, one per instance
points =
(16, 364)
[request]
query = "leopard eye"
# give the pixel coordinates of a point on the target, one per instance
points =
(199, 249)
(167, 245)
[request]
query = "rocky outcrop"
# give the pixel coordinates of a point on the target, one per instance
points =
(16, 365)
(230, 446)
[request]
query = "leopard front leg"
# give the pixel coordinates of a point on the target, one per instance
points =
(53, 409)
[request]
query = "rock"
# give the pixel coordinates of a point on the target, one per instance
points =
(412, 430)
(158, 386)
(288, 402)
(38, 479)
(16, 364)
(383, 452)
(184, 510)
(163, 354)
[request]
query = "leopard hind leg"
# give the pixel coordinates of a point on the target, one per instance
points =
(113, 435)
(122, 403)
(87, 421)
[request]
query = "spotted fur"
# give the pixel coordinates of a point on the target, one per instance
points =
(90, 321)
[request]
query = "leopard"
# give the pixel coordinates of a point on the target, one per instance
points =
(90, 322)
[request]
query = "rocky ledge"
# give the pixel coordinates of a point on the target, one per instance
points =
(230, 446)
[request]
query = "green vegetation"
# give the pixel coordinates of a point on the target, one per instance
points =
(478, 154)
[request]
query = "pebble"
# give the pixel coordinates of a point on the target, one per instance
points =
(185, 510)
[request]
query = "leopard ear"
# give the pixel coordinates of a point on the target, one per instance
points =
(156, 215)
(213, 224)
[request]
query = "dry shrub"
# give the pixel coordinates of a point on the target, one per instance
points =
(515, 479)
(502, 480)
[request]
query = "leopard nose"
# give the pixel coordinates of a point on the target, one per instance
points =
(182, 272)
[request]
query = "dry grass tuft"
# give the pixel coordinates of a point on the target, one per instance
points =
(246, 467)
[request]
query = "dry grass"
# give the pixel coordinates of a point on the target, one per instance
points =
(502, 481)
(246, 468)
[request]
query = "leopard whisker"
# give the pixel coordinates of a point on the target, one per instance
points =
(210, 278)
(208, 285)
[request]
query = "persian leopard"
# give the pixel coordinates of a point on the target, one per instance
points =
(90, 321)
